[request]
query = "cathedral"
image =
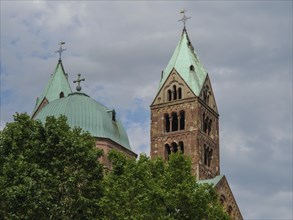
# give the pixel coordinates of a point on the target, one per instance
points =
(184, 117)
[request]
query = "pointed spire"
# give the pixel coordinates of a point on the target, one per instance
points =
(57, 87)
(187, 64)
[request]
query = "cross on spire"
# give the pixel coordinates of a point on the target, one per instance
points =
(185, 18)
(61, 49)
(78, 87)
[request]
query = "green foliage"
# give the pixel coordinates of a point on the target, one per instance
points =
(151, 189)
(48, 171)
(51, 171)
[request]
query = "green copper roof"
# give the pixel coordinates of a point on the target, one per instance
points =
(183, 57)
(213, 181)
(57, 84)
(84, 112)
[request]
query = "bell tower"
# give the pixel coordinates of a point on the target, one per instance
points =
(184, 115)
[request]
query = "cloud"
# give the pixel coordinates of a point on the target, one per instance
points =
(139, 141)
(267, 207)
(121, 48)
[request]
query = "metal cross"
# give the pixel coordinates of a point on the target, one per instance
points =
(61, 49)
(185, 18)
(78, 87)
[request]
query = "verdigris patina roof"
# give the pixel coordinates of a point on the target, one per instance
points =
(84, 112)
(213, 181)
(182, 59)
(58, 83)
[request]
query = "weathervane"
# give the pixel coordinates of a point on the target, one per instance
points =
(78, 87)
(61, 49)
(185, 18)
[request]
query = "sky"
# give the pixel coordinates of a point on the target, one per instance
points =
(121, 47)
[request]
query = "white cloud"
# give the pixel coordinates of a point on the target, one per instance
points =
(121, 48)
(138, 134)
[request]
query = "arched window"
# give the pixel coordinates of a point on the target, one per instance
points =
(182, 120)
(222, 199)
(174, 147)
(208, 155)
(167, 151)
(191, 68)
(209, 126)
(169, 95)
(174, 121)
(61, 95)
(208, 99)
(181, 147)
(230, 210)
(179, 93)
(206, 124)
(174, 93)
(206, 94)
(167, 123)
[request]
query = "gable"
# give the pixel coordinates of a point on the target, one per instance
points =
(227, 199)
(225, 194)
(174, 88)
(207, 94)
(42, 104)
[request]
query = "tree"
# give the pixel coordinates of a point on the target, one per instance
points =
(48, 171)
(51, 171)
(151, 189)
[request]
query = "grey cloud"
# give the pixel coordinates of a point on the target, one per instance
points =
(121, 48)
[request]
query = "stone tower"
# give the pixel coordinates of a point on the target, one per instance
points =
(185, 118)
(184, 115)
